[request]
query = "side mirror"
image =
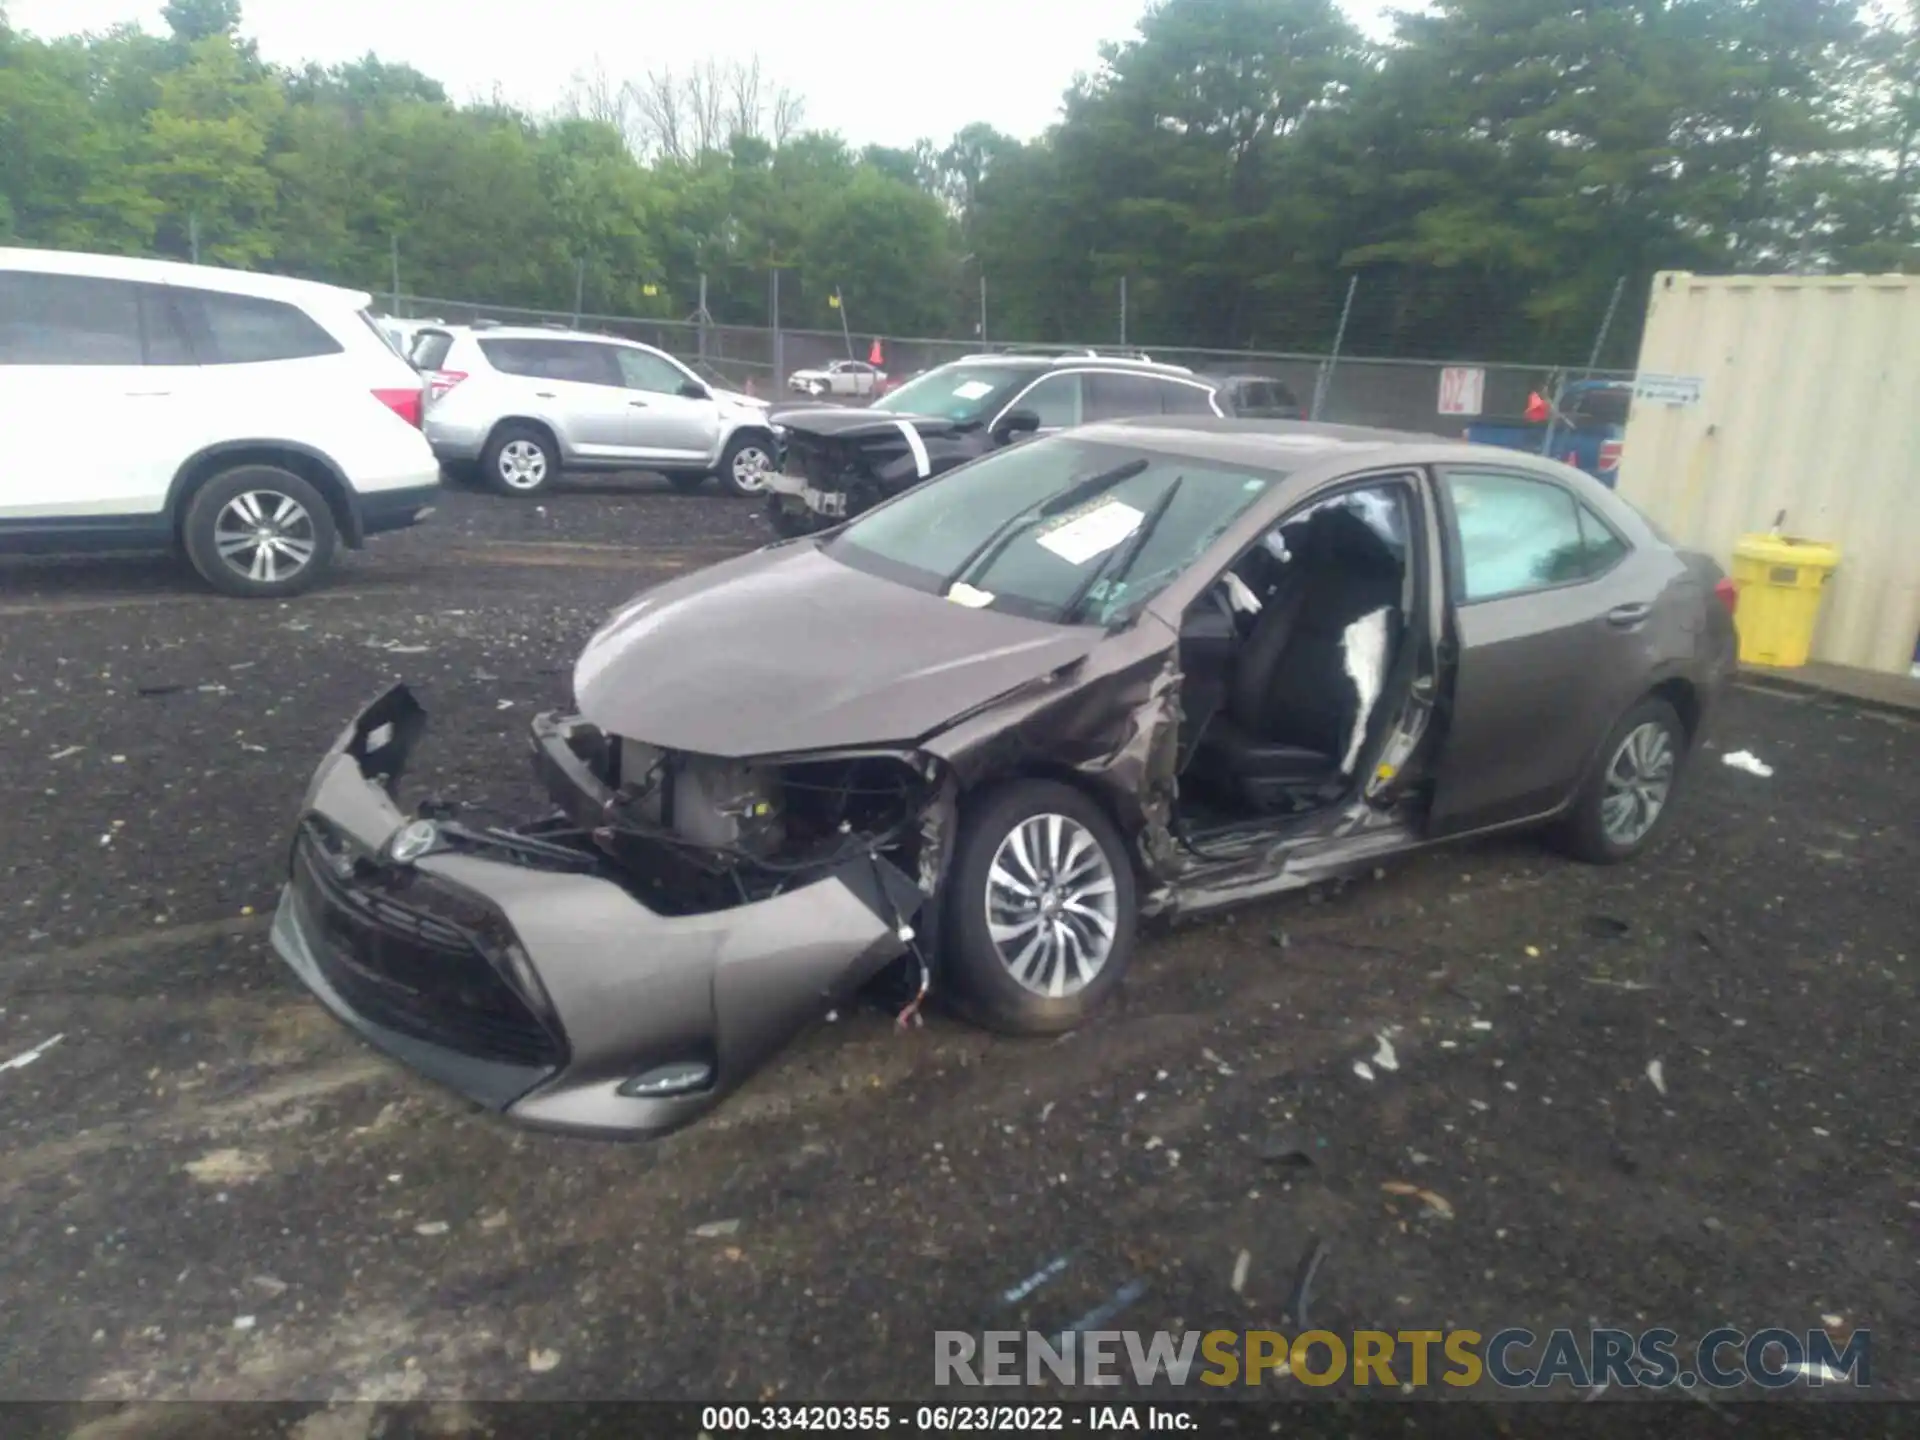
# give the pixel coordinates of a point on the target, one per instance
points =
(1016, 422)
(694, 390)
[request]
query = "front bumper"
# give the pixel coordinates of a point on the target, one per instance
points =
(540, 992)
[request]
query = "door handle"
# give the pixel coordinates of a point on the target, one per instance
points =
(544, 395)
(638, 404)
(147, 394)
(1628, 615)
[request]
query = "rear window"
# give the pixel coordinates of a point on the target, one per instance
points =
(430, 349)
(248, 330)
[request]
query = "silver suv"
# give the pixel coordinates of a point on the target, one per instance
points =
(521, 405)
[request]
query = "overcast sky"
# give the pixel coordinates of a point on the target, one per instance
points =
(877, 71)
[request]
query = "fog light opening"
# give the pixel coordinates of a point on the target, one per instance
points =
(680, 1078)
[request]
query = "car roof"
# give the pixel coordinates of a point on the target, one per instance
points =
(1294, 444)
(1085, 360)
(179, 272)
(1299, 445)
(537, 332)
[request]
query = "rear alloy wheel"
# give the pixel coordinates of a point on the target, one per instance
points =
(519, 460)
(1042, 908)
(1630, 794)
(259, 531)
(744, 465)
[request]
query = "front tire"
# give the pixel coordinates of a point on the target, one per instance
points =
(519, 461)
(259, 531)
(1040, 909)
(744, 465)
(1625, 802)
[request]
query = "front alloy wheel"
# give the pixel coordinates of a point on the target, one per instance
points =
(1051, 906)
(745, 466)
(1038, 908)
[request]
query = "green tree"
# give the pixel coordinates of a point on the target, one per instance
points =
(207, 156)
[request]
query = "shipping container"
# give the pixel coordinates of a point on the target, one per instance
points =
(1762, 394)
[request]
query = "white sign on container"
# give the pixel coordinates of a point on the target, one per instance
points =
(1669, 389)
(1463, 390)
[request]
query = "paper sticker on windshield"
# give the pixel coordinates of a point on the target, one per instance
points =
(972, 390)
(964, 594)
(1094, 533)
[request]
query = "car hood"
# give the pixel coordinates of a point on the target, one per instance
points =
(841, 421)
(786, 649)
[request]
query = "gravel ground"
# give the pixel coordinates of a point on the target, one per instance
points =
(211, 1190)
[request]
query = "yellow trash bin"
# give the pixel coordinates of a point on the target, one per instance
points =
(1780, 581)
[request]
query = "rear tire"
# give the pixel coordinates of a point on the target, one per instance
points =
(1040, 900)
(519, 461)
(259, 531)
(1624, 804)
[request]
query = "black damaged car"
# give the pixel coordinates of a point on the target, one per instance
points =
(837, 462)
(974, 735)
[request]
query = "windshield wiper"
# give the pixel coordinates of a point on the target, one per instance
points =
(989, 549)
(1120, 558)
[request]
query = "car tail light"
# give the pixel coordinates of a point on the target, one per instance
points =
(1609, 456)
(407, 404)
(441, 381)
(1729, 595)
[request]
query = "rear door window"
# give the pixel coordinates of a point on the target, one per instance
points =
(250, 330)
(1115, 397)
(1605, 549)
(579, 362)
(1179, 398)
(69, 320)
(1516, 534)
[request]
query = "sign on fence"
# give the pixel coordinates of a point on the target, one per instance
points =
(1462, 390)
(1669, 389)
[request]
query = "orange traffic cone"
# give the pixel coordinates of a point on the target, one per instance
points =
(1537, 410)
(876, 356)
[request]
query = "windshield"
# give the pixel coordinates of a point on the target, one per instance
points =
(956, 392)
(1057, 529)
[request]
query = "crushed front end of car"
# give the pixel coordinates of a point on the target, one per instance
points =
(618, 967)
(838, 462)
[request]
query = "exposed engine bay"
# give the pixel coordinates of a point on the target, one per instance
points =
(690, 834)
(838, 463)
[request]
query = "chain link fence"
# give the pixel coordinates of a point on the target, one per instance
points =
(1388, 393)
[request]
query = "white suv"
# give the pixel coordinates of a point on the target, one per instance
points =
(254, 422)
(522, 404)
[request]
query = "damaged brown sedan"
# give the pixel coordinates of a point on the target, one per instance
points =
(1138, 668)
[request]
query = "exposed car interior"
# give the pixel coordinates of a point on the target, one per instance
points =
(1294, 661)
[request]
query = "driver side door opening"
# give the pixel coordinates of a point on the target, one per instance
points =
(1309, 666)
